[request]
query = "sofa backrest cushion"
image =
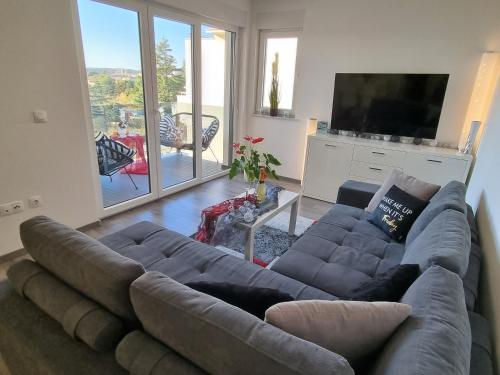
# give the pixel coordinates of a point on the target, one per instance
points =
(80, 317)
(445, 242)
(221, 338)
(139, 353)
(82, 262)
(436, 337)
(451, 196)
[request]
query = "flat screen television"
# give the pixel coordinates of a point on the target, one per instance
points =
(407, 105)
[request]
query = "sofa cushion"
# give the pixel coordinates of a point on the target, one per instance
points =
(186, 260)
(251, 299)
(389, 286)
(83, 262)
(340, 252)
(223, 339)
(80, 317)
(140, 353)
(450, 197)
(353, 329)
(31, 342)
(396, 212)
(445, 242)
(436, 337)
(409, 184)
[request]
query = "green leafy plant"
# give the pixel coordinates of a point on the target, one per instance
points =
(249, 160)
(274, 93)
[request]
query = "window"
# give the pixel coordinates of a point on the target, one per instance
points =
(280, 47)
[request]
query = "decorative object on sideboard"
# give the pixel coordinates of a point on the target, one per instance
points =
(471, 138)
(417, 141)
(274, 93)
(394, 138)
(322, 125)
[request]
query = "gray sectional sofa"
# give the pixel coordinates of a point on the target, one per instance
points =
(119, 305)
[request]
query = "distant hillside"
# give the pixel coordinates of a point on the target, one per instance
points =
(113, 71)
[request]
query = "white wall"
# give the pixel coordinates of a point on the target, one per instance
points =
(426, 36)
(284, 138)
(39, 70)
(484, 196)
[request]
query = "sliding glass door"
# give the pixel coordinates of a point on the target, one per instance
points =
(161, 88)
(217, 70)
(173, 55)
(114, 68)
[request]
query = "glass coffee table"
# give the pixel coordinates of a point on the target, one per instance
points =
(286, 199)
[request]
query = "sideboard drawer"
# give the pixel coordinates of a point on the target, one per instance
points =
(382, 156)
(436, 169)
(370, 171)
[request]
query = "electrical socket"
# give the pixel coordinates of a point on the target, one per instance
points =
(17, 206)
(6, 210)
(35, 201)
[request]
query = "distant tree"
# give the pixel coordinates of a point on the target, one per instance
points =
(102, 90)
(171, 80)
(137, 92)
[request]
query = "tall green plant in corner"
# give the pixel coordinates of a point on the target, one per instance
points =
(274, 93)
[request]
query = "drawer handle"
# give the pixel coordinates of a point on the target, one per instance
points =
(378, 153)
(327, 145)
(434, 161)
(375, 169)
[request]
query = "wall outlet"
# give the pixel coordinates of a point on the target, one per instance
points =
(17, 206)
(35, 201)
(6, 210)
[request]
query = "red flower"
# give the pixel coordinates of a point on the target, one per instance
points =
(257, 140)
(236, 145)
(238, 152)
(248, 138)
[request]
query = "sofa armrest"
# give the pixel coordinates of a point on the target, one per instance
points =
(356, 193)
(481, 352)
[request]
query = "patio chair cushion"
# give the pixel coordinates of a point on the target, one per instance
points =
(83, 263)
(186, 260)
(340, 252)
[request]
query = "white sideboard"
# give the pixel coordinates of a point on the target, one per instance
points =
(333, 159)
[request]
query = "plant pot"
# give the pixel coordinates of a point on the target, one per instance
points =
(273, 112)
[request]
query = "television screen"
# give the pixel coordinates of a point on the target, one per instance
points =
(406, 105)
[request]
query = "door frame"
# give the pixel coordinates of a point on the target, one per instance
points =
(146, 12)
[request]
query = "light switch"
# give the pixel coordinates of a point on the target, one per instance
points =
(40, 116)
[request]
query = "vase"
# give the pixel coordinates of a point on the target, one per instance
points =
(250, 183)
(273, 112)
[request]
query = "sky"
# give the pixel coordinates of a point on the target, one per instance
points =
(111, 36)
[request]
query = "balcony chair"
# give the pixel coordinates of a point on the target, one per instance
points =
(172, 135)
(112, 156)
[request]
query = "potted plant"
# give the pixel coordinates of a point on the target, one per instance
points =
(274, 94)
(249, 161)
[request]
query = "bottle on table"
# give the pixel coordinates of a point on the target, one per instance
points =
(261, 187)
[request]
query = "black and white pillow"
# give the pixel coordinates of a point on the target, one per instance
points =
(396, 212)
